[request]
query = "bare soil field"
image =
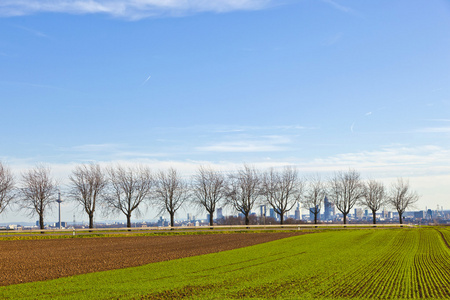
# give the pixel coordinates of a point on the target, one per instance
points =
(35, 260)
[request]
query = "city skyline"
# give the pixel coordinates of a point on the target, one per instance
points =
(321, 85)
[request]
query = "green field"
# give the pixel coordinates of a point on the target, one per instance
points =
(407, 263)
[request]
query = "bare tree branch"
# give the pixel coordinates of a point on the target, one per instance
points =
(38, 192)
(346, 189)
(87, 185)
(402, 197)
(314, 196)
(7, 187)
(129, 189)
(244, 190)
(282, 190)
(374, 197)
(171, 192)
(208, 189)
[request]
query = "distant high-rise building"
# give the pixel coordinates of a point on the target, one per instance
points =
(358, 213)
(272, 213)
(329, 209)
(297, 213)
(312, 210)
(419, 214)
(219, 213)
(262, 210)
(162, 222)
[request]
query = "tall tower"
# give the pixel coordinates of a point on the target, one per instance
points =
(59, 208)
(297, 212)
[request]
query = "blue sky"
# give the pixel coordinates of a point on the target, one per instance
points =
(323, 85)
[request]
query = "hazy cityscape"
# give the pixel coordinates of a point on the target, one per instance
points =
(264, 216)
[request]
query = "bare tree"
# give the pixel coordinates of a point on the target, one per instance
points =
(208, 189)
(346, 189)
(244, 190)
(170, 193)
(374, 197)
(7, 186)
(282, 189)
(401, 197)
(38, 192)
(129, 189)
(315, 193)
(87, 187)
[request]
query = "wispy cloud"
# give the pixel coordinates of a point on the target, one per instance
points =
(95, 148)
(262, 144)
(389, 161)
(438, 120)
(334, 39)
(148, 78)
(435, 130)
(29, 84)
(30, 30)
(131, 9)
(338, 6)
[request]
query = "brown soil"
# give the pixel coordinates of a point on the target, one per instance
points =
(35, 260)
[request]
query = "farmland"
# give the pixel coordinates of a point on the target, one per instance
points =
(404, 263)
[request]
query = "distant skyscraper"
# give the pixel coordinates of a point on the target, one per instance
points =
(262, 210)
(219, 213)
(330, 209)
(358, 213)
(312, 210)
(272, 214)
(297, 213)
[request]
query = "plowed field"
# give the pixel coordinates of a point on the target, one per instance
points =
(35, 260)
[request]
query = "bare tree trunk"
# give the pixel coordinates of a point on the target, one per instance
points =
(400, 217)
(281, 218)
(247, 221)
(315, 218)
(172, 217)
(374, 214)
(129, 221)
(345, 218)
(41, 221)
(91, 220)
(87, 188)
(211, 218)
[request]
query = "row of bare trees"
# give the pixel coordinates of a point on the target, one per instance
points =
(127, 190)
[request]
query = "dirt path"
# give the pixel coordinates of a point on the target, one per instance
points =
(35, 260)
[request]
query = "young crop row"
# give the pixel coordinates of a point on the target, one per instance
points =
(367, 264)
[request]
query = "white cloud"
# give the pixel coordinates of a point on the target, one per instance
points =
(96, 148)
(130, 9)
(264, 144)
(389, 162)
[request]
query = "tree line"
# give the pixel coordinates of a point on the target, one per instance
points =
(125, 190)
